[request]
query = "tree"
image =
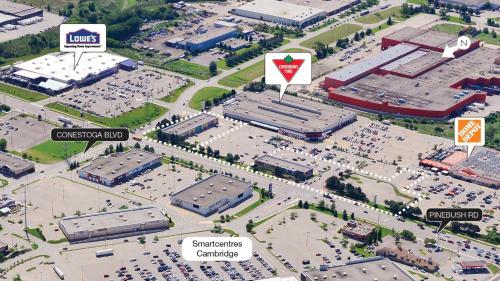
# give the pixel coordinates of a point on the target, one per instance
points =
(300, 205)
(408, 235)
(321, 204)
(306, 205)
(213, 68)
(3, 145)
(352, 216)
(344, 215)
(389, 21)
(137, 145)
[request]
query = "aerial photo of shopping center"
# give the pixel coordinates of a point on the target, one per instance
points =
(278, 140)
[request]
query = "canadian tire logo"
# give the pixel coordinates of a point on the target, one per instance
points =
(288, 66)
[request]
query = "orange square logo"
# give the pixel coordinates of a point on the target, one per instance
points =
(469, 130)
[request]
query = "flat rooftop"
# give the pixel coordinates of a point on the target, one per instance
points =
(359, 228)
(5, 18)
(283, 163)
(16, 8)
(431, 90)
(190, 124)
(364, 269)
(14, 163)
(415, 62)
(426, 37)
(327, 6)
(211, 190)
(354, 70)
(115, 165)
(281, 9)
(293, 113)
(95, 222)
(59, 66)
(210, 34)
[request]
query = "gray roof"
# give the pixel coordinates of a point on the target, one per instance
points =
(16, 164)
(292, 113)
(211, 190)
(378, 60)
(93, 222)
(210, 34)
(284, 163)
(364, 269)
(119, 164)
(182, 127)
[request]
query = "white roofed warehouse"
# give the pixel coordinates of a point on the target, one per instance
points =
(280, 12)
(55, 73)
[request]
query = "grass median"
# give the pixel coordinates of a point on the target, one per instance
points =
(244, 76)
(332, 35)
(21, 93)
(206, 94)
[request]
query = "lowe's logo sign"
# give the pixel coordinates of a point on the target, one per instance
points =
(83, 36)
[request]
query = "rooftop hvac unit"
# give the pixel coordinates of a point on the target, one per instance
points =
(195, 199)
(99, 167)
(395, 277)
(113, 172)
(211, 184)
(224, 188)
(209, 192)
(139, 161)
(121, 163)
(202, 196)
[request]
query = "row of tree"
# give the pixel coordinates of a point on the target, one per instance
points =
(263, 45)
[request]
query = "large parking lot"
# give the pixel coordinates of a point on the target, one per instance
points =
(122, 92)
(157, 259)
(23, 131)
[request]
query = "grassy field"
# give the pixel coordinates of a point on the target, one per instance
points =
(254, 205)
(382, 27)
(332, 35)
(131, 119)
(418, 2)
(244, 76)
(188, 68)
(394, 12)
(448, 28)
(205, 94)
(455, 29)
(487, 38)
(175, 94)
(21, 93)
(52, 152)
(458, 20)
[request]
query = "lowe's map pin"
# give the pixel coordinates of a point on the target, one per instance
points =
(287, 69)
(82, 38)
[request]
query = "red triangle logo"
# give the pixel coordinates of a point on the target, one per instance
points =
(288, 66)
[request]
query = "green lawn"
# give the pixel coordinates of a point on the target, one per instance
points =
(455, 29)
(332, 35)
(37, 232)
(487, 38)
(52, 152)
(418, 2)
(175, 94)
(21, 93)
(244, 76)
(458, 20)
(448, 28)
(493, 268)
(188, 68)
(251, 207)
(382, 27)
(204, 94)
(29, 57)
(131, 119)
(394, 12)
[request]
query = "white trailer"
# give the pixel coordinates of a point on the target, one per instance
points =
(104, 253)
(59, 272)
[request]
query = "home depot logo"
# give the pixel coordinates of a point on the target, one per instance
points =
(469, 132)
(83, 37)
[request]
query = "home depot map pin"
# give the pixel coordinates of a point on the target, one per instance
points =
(469, 132)
(287, 69)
